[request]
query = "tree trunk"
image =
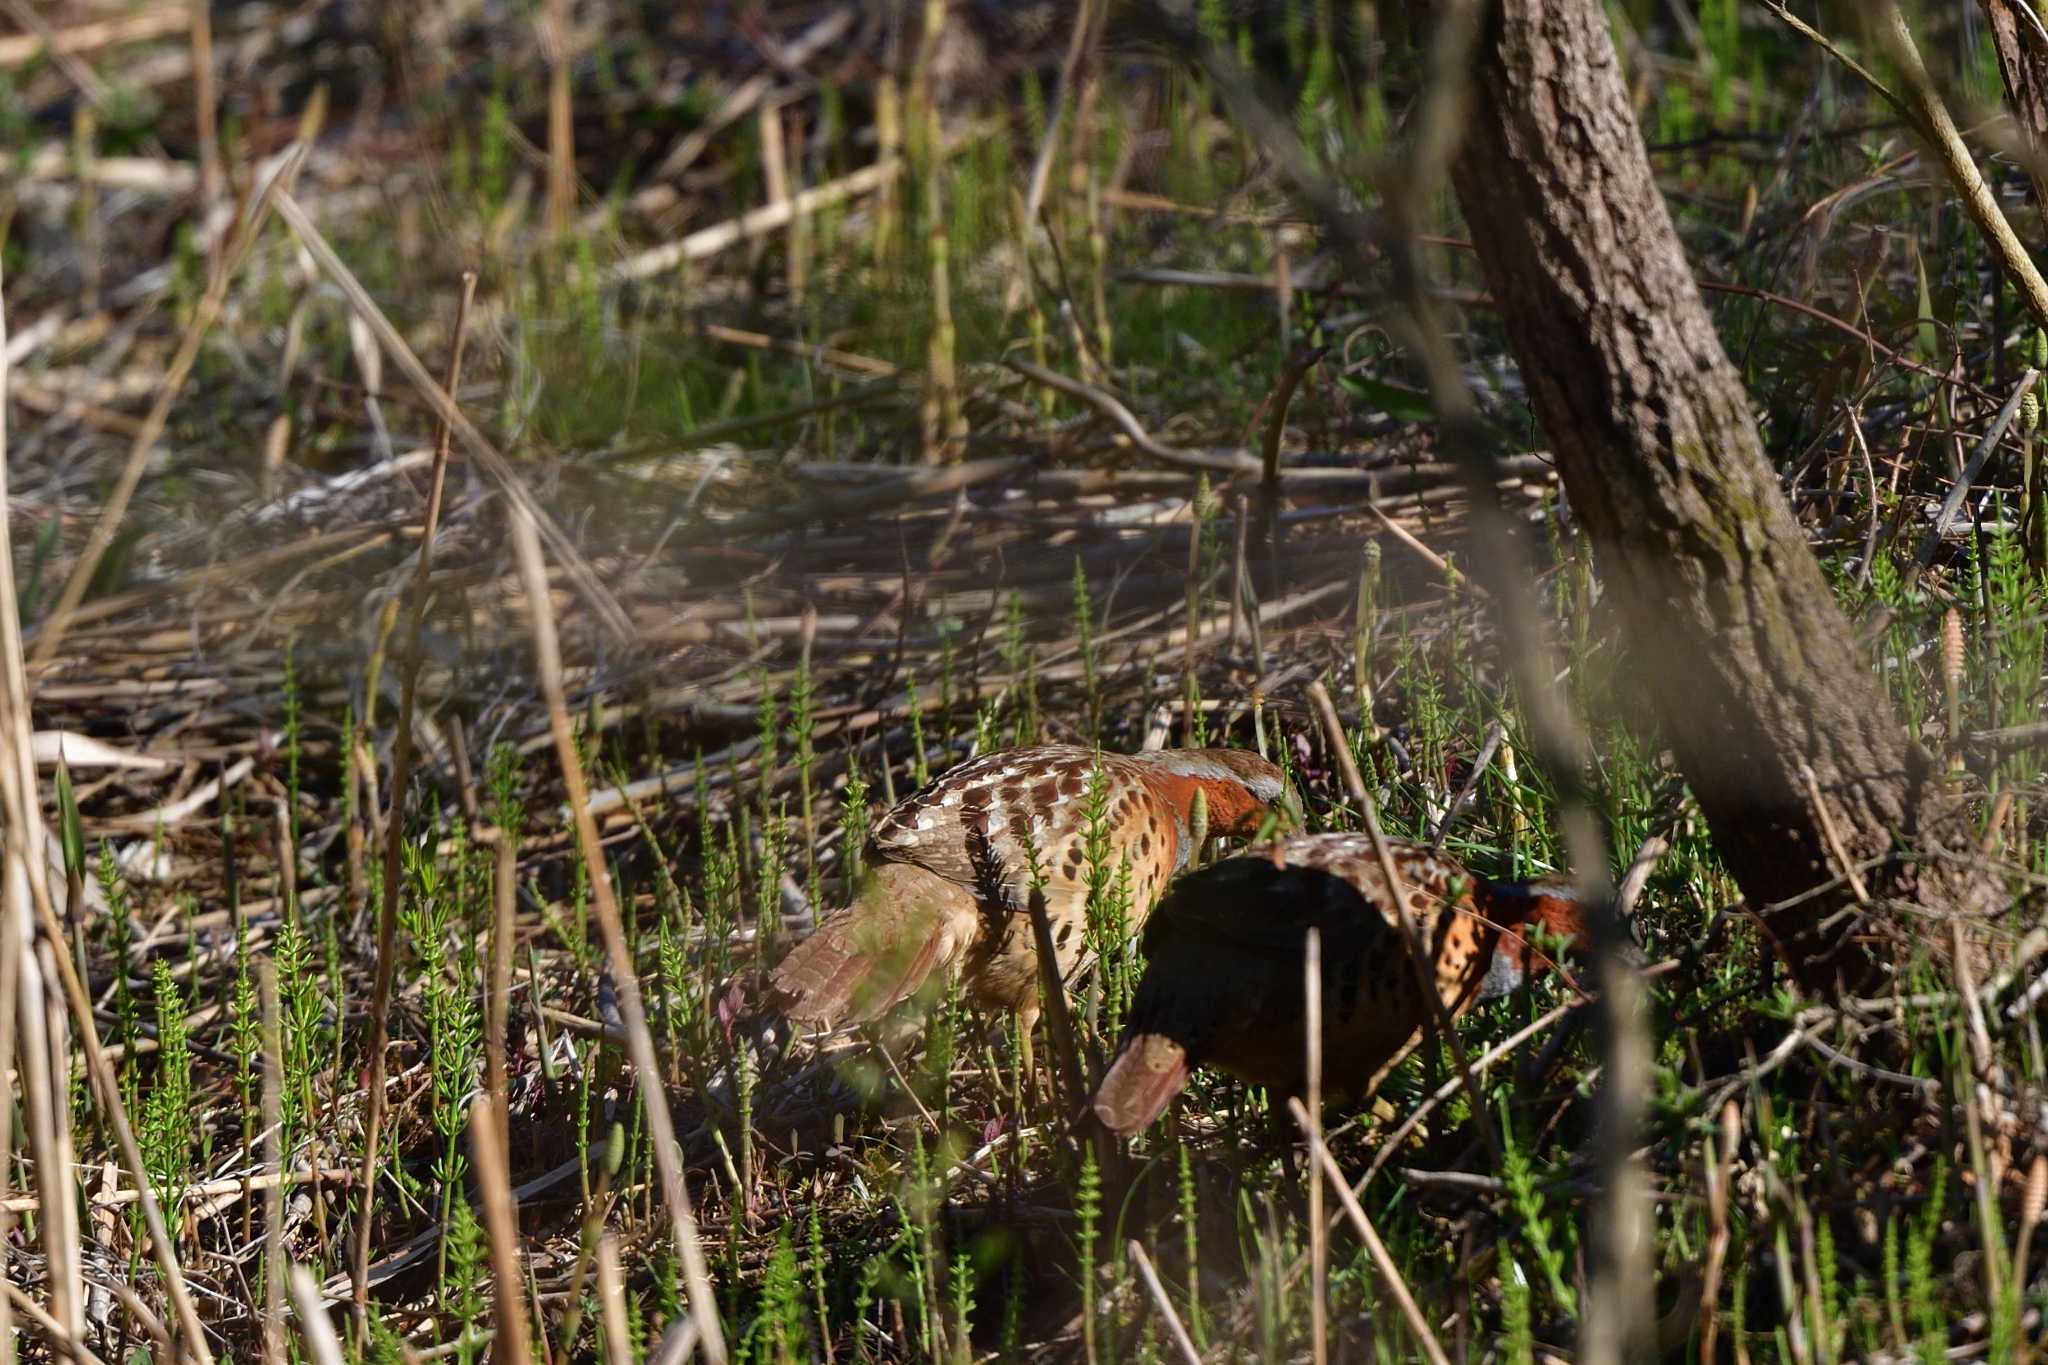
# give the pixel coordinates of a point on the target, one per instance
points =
(1740, 648)
(2023, 62)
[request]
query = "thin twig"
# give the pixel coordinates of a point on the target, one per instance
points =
(639, 1041)
(321, 1342)
(1296, 369)
(1931, 116)
(25, 834)
(1390, 1273)
(1719, 1167)
(1960, 489)
(394, 831)
(61, 1340)
(1174, 1328)
(501, 1221)
(474, 441)
(611, 1295)
(1833, 836)
(1228, 462)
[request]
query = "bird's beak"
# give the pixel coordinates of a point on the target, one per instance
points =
(1290, 806)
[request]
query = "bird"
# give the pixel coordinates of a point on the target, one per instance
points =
(1225, 956)
(947, 875)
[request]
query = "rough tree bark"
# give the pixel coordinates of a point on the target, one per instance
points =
(1740, 648)
(2023, 62)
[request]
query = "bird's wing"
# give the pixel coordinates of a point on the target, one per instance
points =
(984, 823)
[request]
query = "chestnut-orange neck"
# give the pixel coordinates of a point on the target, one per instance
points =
(1229, 808)
(1518, 907)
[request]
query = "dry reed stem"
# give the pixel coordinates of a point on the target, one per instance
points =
(501, 1221)
(474, 441)
(1718, 1172)
(27, 884)
(394, 828)
(1960, 488)
(1390, 1274)
(1277, 402)
(1617, 1321)
(1833, 836)
(203, 107)
(249, 221)
(639, 1041)
(1423, 552)
(1319, 1241)
(321, 1343)
(77, 72)
(554, 35)
(611, 1296)
(62, 1342)
(498, 1003)
(1174, 1328)
(18, 49)
(1924, 108)
(710, 241)
(1048, 150)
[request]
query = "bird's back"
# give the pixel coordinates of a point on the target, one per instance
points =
(1226, 950)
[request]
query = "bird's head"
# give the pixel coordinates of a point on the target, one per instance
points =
(1238, 789)
(1533, 918)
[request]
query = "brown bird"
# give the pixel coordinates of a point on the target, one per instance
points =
(1225, 954)
(948, 878)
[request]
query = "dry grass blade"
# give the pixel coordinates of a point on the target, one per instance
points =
(554, 41)
(203, 119)
(1960, 489)
(1174, 1328)
(1719, 1166)
(474, 441)
(28, 885)
(501, 1220)
(611, 1297)
(62, 1342)
(321, 1342)
(1979, 200)
(1397, 1287)
(251, 221)
(639, 1041)
(498, 1003)
(394, 826)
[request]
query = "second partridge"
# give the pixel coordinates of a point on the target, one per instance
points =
(949, 871)
(1225, 956)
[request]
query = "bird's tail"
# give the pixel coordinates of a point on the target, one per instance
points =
(864, 960)
(1149, 1070)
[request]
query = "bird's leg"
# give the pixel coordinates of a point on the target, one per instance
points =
(1027, 1022)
